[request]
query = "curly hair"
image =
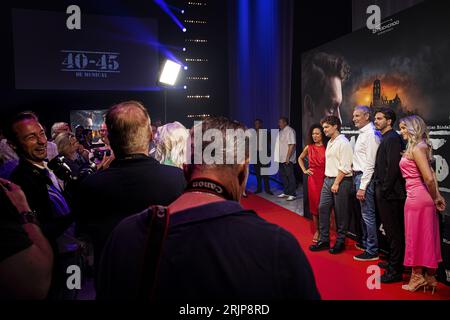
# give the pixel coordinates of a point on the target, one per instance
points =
(309, 139)
(171, 142)
(418, 132)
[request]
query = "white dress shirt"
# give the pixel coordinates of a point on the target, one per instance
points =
(366, 152)
(285, 138)
(338, 157)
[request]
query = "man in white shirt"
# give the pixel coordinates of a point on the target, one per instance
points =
(336, 187)
(364, 157)
(284, 154)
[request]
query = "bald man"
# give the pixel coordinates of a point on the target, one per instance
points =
(132, 183)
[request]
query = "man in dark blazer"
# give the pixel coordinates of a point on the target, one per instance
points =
(390, 193)
(133, 181)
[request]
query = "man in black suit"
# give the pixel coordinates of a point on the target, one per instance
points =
(263, 147)
(132, 183)
(390, 193)
(46, 197)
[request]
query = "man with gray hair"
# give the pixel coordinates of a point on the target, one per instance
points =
(214, 248)
(59, 127)
(364, 157)
(133, 181)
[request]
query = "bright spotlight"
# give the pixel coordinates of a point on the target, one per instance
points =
(184, 49)
(184, 29)
(185, 67)
(170, 73)
(185, 87)
(182, 11)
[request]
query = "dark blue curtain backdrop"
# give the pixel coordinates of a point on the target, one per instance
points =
(260, 54)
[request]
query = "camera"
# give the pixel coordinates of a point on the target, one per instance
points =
(100, 154)
(62, 170)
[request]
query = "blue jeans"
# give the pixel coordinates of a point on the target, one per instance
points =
(369, 221)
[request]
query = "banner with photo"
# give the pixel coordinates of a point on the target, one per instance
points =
(403, 65)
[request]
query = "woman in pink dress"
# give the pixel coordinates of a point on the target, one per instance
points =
(423, 247)
(315, 152)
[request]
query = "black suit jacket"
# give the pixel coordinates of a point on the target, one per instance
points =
(34, 183)
(125, 188)
(387, 173)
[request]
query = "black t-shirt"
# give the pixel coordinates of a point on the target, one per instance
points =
(13, 238)
(213, 252)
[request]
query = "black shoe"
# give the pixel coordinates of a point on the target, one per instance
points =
(365, 256)
(258, 191)
(383, 265)
(391, 277)
(359, 246)
(338, 248)
(320, 246)
(269, 192)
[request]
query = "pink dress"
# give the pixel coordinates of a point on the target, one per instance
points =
(423, 245)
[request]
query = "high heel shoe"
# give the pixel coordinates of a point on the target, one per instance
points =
(431, 282)
(416, 282)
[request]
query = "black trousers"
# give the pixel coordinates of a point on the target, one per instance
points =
(392, 217)
(288, 178)
(260, 178)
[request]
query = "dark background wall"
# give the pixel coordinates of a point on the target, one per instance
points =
(388, 8)
(54, 106)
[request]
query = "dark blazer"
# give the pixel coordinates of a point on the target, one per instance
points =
(387, 173)
(125, 188)
(34, 182)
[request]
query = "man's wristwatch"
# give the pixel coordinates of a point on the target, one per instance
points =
(29, 217)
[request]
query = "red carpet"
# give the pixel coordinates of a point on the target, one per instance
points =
(338, 277)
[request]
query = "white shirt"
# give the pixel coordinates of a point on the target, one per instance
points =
(284, 139)
(365, 153)
(338, 157)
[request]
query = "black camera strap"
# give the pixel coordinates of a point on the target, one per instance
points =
(209, 186)
(157, 223)
(158, 218)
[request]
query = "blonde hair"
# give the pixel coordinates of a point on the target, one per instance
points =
(64, 143)
(171, 142)
(418, 132)
(57, 126)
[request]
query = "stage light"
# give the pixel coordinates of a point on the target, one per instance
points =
(184, 49)
(184, 29)
(185, 67)
(185, 87)
(170, 73)
(167, 9)
(182, 11)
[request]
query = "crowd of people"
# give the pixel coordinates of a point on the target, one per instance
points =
(97, 207)
(389, 172)
(68, 201)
